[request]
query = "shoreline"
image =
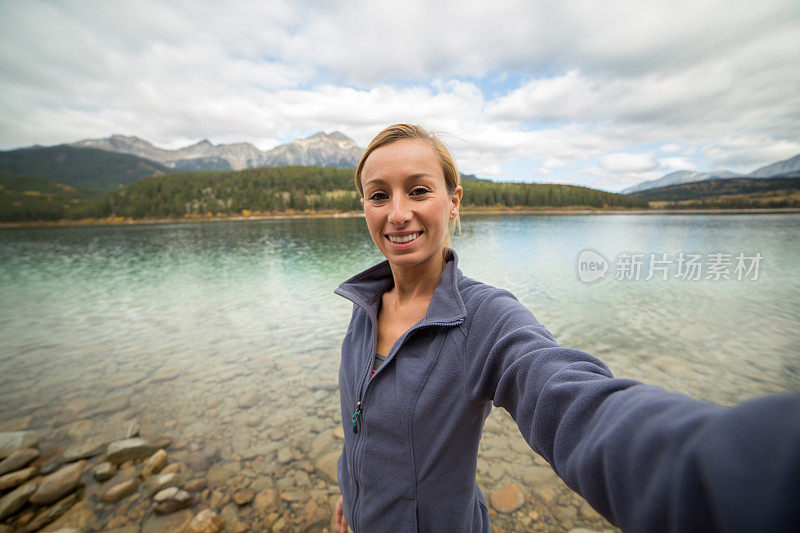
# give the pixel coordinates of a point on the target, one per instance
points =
(123, 221)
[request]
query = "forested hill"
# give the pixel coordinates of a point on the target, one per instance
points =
(300, 189)
(84, 168)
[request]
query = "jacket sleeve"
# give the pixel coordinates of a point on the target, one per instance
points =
(646, 459)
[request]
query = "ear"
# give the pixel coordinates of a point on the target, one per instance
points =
(455, 201)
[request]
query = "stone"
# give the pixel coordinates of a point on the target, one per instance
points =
(243, 496)
(339, 433)
(130, 449)
(248, 400)
(14, 500)
(58, 484)
(17, 460)
(220, 473)
(160, 482)
(104, 471)
(293, 496)
(206, 521)
(508, 499)
(284, 456)
(266, 501)
(314, 517)
(82, 450)
(117, 521)
(196, 485)
(171, 499)
(11, 441)
(174, 468)
(176, 521)
(279, 524)
(119, 491)
(14, 479)
(327, 466)
(46, 516)
(198, 462)
(154, 464)
(165, 374)
(321, 444)
(80, 517)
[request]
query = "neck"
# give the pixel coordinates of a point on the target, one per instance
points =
(417, 281)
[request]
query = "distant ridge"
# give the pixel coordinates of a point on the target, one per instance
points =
(781, 168)
(335, 150)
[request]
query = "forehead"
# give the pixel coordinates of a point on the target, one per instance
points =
(400, 159)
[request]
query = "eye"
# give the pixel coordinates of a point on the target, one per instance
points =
(419, 191)
(378, 197)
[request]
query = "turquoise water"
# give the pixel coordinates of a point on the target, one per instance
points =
(164, 322)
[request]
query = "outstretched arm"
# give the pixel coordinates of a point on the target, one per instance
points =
(647, 459)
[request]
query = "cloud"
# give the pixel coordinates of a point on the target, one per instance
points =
(627, 162)
(573, 90)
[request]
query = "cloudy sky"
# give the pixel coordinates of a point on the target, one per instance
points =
(602, 94)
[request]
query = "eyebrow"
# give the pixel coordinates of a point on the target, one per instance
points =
(416, 175)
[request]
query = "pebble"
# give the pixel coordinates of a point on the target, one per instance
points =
(206, 521)
(154, 464)
(284, 456)
(508, 499)
(171, 499)
(11, 441)
(327, 466)
(243, 497)
(196, 485)
(19, 459)
(45, 516)
(266, 501)
(15, 499)
(160, 482)
(119, 491)
(104, 471)
(58, 484)
(131, 449)
(82, 450)
(198, 462)
(17, 478)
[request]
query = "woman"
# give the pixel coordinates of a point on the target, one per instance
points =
(428, 351)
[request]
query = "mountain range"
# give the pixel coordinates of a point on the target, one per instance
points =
(335, 150)
(788, 168)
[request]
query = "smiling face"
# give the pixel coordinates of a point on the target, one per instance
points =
(406, 202)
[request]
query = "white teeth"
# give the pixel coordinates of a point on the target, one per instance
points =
(404, 238)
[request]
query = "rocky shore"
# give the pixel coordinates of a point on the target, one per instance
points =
(111, 478)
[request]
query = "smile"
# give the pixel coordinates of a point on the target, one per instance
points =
(402, 239)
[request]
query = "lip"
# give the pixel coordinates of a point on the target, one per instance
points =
(399, 246)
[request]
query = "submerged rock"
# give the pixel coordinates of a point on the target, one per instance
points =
(154, 464)
(11, 441)
(206, 521)
(19, 459)
(171, 499)
(158, 483)
(14, 500)
(82, 450)
(119, 491)
(104, 471)
(508, 499)
(17, 478)
(133, 449)
(59, 484)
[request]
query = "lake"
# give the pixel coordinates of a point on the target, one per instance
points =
(225, 337)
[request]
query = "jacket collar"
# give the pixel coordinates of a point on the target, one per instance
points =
(365, 290)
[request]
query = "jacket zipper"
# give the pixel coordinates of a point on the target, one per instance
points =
(359, 409)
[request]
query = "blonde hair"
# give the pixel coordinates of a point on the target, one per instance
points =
(399, 132)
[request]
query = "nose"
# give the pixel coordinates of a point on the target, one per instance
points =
(400, 214)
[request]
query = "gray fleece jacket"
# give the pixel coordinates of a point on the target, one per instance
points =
(645, 458)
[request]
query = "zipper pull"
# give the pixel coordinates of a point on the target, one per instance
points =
(355, 417)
